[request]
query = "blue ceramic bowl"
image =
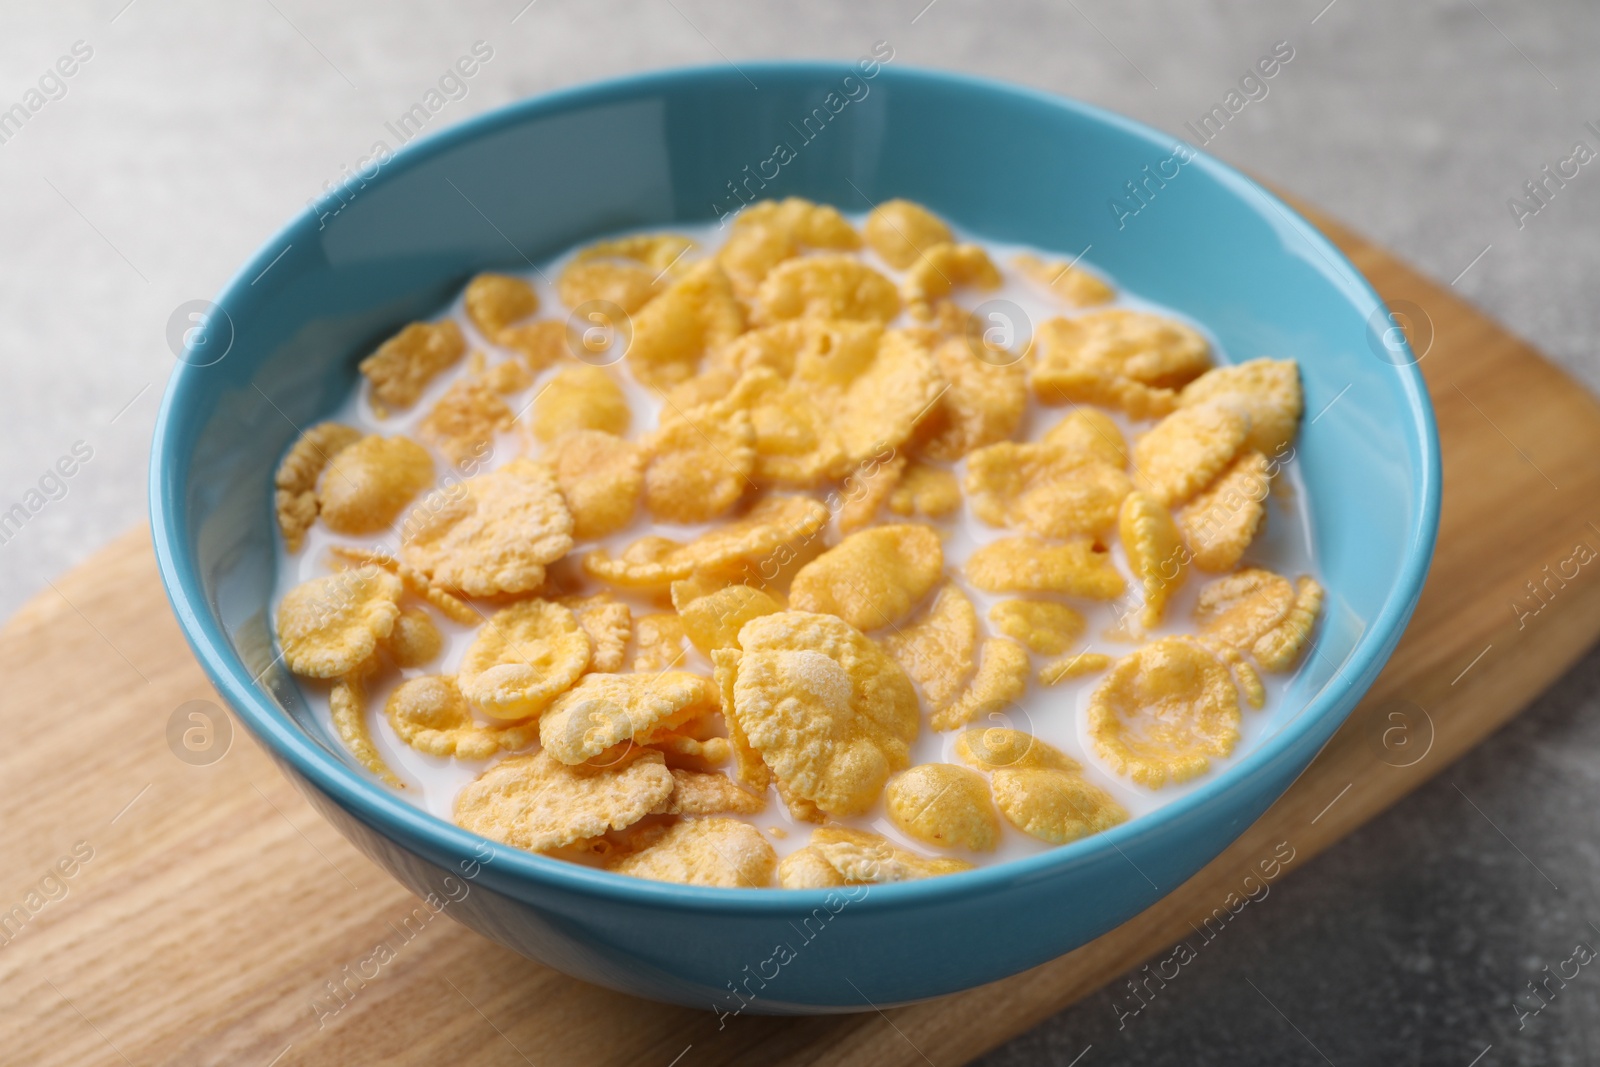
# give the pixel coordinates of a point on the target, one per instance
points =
(1006, 163)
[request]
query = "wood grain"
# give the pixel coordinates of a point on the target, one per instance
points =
(216, 906)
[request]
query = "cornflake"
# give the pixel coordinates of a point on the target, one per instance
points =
(672, 333)
(609, 624)
(495, 301)
(710, 852)
(901, 231)
(1031, 565)
(767, 233)
(1053, 805)
(1065, 668)
(415, 640)
(701, 793)
(537, 803)
(764, 540)
(414, 581)
(1042, 625)
(698, 462)
(523, 658)
(659, 637)
(858, 857)
(540, 344)
(940, 270)
(1265, 391)
(369, 482)
(1243, 608)
(1048, 490)
(873, 578)
(603, 710)
(1164, 712)
(330, 626)
(931, 492)
(1001, 681)
(1071, 285)
(464, 421)
(827, 287)
(580, 398)
(1186, 450)
(347, 705)
(1279, 647)
(993, 748)
(940, 650)
(430, 714)
(1220, 523)
(945, 805)
(712, 620)
(828, 711)
(1156, 553)
(295, 483)
(865, 490)
(1092, 434)
(600, 477)
(403, 365)
(492, 533)
(1118, 358)
(982, 402)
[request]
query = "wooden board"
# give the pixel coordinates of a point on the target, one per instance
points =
(216, 905)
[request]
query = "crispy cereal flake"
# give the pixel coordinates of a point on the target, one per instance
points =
(940, 650)
(858, 857)
(541, 343)
(347, 703)
(1066, 668)
(1240, 609)
(1131, 360)
(600, 477)
(827, 710)
(1052, 805)
(1091, 433)
(430, 714)
(715, 852)
(901, 231)
(369, 482)
(827, 287)
(403, 365)
(945, 805)
(713, 620)
(330, 626)
(982, 403)
(295, 483)
(672, 333)
(865, 490)
(1164, 712)
(873, 578)
(603, 710)
(1278, 648)
(492, 533)
(609, 624)
(1266, 391)
(464, 421)
(1186, 450)
(701, 793)
(538, 803)
(993, 748)
(1001, 681)
(1030, 565)
(1072, 285)
(699, 462)
(1221, 522)
(580, 398)
(1048, 490)
(628, 284)
(767, 233)
(1155, 551)
(415, 640)
(495, 301)
(659, 637)
(940, 270)
(523, 658)
(1044, 626)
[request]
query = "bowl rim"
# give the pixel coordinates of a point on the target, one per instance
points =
(418, 830)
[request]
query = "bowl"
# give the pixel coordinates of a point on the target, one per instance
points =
(400, 238)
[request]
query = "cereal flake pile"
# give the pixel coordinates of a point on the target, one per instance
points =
(826, 412)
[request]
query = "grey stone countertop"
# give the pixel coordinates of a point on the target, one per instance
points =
(189, 132)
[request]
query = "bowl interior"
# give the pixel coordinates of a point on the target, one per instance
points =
(521, 184)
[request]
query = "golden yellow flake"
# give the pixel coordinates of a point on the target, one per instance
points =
(1044, 626)
(827, 287)
(927, 491)
(522, 658)
(1000, 682)
(347, 704)
(1048, 490)
(940, 650)
(1053, 805)
(696, 314)
(982, 402)
(330, 626)
(430, 714)
(403, 365)
(1118, 358)
(901, 231)
(1090, 432)
(709, 852)
(940, 270)
(1186, 451)
(944, 804)
(712, 620)
(659, 638)
(1164, 712)
(603, 710)
(538, 803)
(993, 748)
(872, 578)
(415, 640)
(1221, 522)
(370, 481)
(1031, 565)
(295, 483)
(495, 301)
(1072, 285)
(1156, 553)
(601, 477)
(1066, 668)
(858, 857)
(698, 462)
(1265, 391)
(580, 397)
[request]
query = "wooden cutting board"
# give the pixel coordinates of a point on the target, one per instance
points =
(207, 905)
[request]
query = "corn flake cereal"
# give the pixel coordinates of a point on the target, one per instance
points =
(696, 314)
(492, 533)
(495, 301)
(699, 462)
(864, 492)
(538, 803)
(295, 483)
(659, 637)
(1265, 391)
(827, 710)
(1031, 565)
(347, 704)
(699, 793)
(603, 710)
(770, 232)
(1220, 522)
(827, 287)
(1124, 359)
(541, 343)
(1001, 680)
(609, 624)
(1053, 805)
(859, 857)
(1066, 668)
(1071, 285)
(982, 403)
(1279, 647)
(415, 640)
(993, 748)
(901, 232)
(940, 270)
(1155, 551)
(1048, 490)
(1240, 609)
(369, 482)
(1186, 451)
(523, 658)
(872, 578)
(1164, 712)
(414, 581)
(940, 650)
(945, 805)
(660, 251)
(403, 365)
(580, 398)
(430, 714)
(927, 491)
(1044, 626)
(1091, 433)
(330, 626)
(600, 477)
(713, 620)
(710, 852)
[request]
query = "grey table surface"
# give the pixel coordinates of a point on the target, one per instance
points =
(192, 131)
